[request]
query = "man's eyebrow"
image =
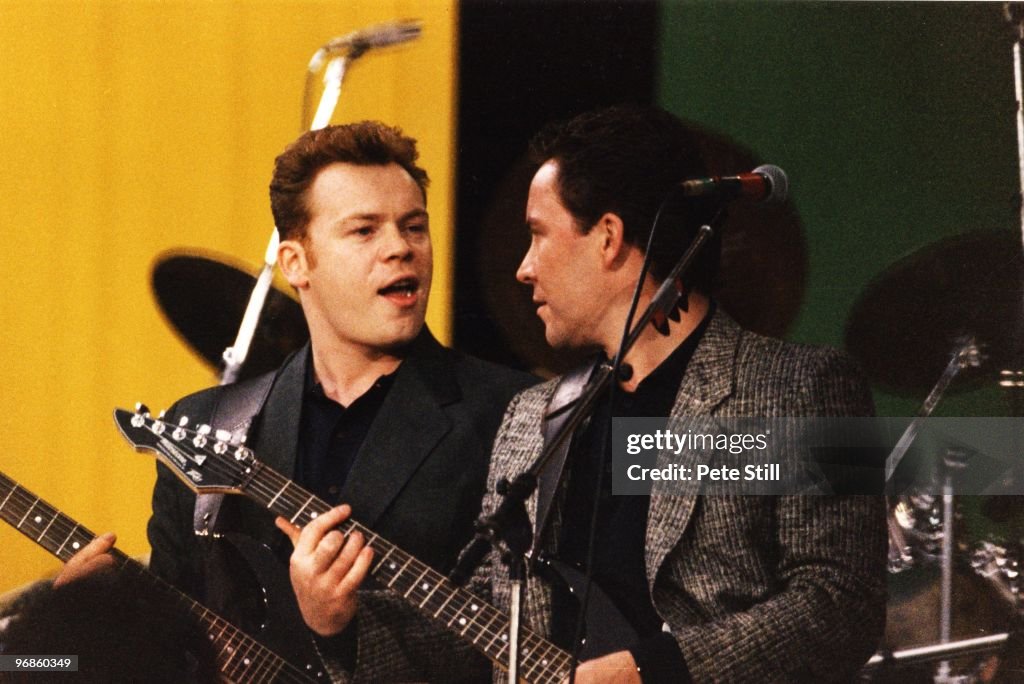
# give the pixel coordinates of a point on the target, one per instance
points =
(415, 213)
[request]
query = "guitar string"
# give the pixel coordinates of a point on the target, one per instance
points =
(267, 658)
(294, 497)
(60, 524)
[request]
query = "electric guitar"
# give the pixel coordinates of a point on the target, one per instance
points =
(209, 463)
(240, 658)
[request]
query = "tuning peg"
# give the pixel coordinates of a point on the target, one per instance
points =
(179, 432)
(141, 408)
(200, 439)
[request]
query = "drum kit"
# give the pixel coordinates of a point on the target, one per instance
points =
(946, 318)
(954, 561)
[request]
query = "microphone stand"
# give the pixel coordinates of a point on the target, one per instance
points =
(507, 530)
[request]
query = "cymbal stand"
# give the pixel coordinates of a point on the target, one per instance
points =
(967, 355)
(235, 355)
(954, 462)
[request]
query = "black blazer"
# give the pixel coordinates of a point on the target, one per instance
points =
(418, 479)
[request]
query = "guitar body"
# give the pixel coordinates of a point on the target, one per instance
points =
(250, 585)
(606, 629)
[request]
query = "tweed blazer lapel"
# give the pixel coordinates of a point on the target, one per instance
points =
(709, 379)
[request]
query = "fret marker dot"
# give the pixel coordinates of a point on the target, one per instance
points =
(526, 651)
(246, 661)
(462, 621)
(425, 586)
(312, 516)
(504, 637)
(75, 545)
(544, 662)
(474, 607)
(229, 649)
(38, 518)
(392, 566)
(211, 637)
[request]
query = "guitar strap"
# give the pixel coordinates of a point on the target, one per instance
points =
(235, 410)
(559, 408)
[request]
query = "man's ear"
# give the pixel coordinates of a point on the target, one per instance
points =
(612, 238)
(293, 260)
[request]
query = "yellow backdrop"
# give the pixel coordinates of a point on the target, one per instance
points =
(130, 128)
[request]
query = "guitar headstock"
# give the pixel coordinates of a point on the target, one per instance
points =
(205, 460)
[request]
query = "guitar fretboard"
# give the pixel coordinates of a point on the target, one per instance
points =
(240, 658)
(483, 625)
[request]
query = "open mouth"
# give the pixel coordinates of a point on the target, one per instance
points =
(405, 288)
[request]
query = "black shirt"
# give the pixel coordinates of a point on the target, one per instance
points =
(619, 558)
(330, 435)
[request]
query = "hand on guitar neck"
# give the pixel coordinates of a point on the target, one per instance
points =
(326, 569)
(93, 557)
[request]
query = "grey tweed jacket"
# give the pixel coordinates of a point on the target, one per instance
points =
(755, 588)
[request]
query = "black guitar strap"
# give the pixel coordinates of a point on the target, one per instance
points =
(559, 407)
(238, 405)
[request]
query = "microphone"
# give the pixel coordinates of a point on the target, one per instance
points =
(766, 183)
(358, 42)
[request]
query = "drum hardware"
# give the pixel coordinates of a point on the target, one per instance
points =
(991, 643)
(1001, 565)
(954, 462)
(1011, 379)
(902, 515)
(202, 295)
(339, 54)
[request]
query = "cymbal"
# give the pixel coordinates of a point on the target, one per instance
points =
(204, 298)
(908, 322)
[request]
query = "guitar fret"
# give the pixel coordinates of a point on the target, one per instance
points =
(45, 529)
(487, 628)
(243, 659)
(382, 560)
(451, 595)
(415, 583)
(437, 585)
(530, 664)
(399, 571)
(299, 512)
(503, 631)
(70, 535)
(9, 495)
(406, 576)
(29, 511)
(48, 533)
(271, 504)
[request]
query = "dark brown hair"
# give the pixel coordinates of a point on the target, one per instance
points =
(367, 143)
(625, 160)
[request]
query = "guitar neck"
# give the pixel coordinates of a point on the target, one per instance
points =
(432, 593)
(240, 658)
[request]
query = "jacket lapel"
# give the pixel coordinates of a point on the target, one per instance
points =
(410, 424)
(277, 441)
(707, 382)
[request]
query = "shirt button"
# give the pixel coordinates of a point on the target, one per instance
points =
(333, 489)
